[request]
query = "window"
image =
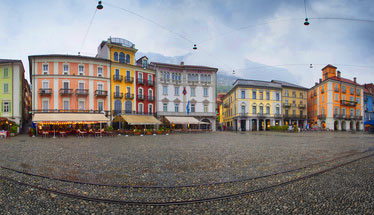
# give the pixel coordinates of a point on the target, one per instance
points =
(267, 109)
(358, 100)
(6, 88)
(65, 85)
(261, 109)
(323, 110)
(128, 59)
(336, 97)
(165, 106)
(6, 73)
(193, 108)
(144, 63)
(261, 95)
(254, 94)
(150, 93)
(176, 108)
(277, 97)
(286, 93)
(140, 107)
(164, 90)
(100, 86)
(81, 85)
(128, 90)
(352, 90)
(344, 88)
(81, 105)
(344, 112)
(150, 108)
(358, 112)
(323, 99)
(343, 97)
(351, 98)
(358, 91)
(100, 71)
(66, 105)
(254, 109)
(66, 69)
(301, 95)
(100, 105)
(140, 92)
(6, 107)
(128, 75)
(205, 108)
(45, 68)
(205, 92)
(176, 91)
(336, 111)
(294, 112)
(193, 92)
(150, 78)
(242, 110)
(277, 110)
(45, 85)
(121, 57)
(81, 69)
(45, 105)
(115, 56)
(267, 95)
(243, 94)
(286, 101)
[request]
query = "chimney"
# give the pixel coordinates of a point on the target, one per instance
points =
(355, 79)
(339, 74)
(182, 63)
(320, 80)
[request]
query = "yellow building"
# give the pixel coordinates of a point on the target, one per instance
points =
(252, 105)
(294, 104)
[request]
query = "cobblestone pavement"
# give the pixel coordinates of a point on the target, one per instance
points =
(188, 159)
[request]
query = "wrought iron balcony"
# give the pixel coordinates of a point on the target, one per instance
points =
(338, 116)
(81, 92)
(151, 83)
(286, 105)
(117, 78)
(358, 117)
(129, 96)
(348, 103)
(278, 115)
(141, 97)
(129, 79)
(293, 105)
(118, 95)
(261, 115)
(243, 114)
(140, 81)
(336, 89)
(302, 106)
(45, 91)
(66, 91)
(151, 98)
(102, 93)
(322, 117)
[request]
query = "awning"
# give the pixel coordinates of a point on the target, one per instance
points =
(184, 120)
(140, 120)
(69, 117)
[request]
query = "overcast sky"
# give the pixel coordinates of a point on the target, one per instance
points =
(272, 33)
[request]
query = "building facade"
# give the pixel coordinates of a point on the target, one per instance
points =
(69, 83)
(128, 78)
(368, 107)
(294, 104)
(12, 91)
(336, 103)
(252, 105)
(186, 90)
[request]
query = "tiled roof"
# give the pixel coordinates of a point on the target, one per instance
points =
(329, 65)
(10, 61)
(70, 56)
(345, 80)
(184, 66)
(286, 84)
(257, 83)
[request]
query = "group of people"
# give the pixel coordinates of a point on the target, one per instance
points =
(5, 134)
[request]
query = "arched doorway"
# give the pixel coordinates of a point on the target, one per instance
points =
(128, 107)
(344, 126)
(357, 126)
(351, 126)
(117, 107)
(336, 126)
(205, 126)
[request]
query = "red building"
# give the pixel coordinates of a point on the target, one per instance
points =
(145, 87)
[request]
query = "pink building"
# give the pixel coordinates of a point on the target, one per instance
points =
(69, 83)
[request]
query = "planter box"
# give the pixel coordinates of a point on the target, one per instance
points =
(137, 133)
(149, 133)
(159, 132)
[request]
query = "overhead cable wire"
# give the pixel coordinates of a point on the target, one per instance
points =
(88, 29)
(346, 19)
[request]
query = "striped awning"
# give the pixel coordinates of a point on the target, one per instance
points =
(140, 120)
(69, 117)
(184, 120)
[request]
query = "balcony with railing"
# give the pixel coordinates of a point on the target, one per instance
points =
(141, 97)
(129, 79)
(140, 81)
(81, 92)
(243, 114)
(118, 95)
(287, 105)
(293, 105)
(262, 115)
(348, 103)
(358, 118)
(150, 83)
(337, 116)
(129, 96)
(101, 93)
(45, 92)
(322, 116)
(302, 116)
(66, 92)
(302, 106)
(175, 81)
(278, 115)
(117, 78)
(336, 89)
(151, 98)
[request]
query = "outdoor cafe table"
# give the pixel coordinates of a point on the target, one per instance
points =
(3, 134)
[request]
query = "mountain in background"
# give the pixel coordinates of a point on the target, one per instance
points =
(250, 70)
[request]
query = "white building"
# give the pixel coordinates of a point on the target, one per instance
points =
(186, 87)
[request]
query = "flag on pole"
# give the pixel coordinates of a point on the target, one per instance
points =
(188, 107)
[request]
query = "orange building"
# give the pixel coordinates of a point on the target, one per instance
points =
(335, 103)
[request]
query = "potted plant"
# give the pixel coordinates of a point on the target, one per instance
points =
(137, 131)
(13, 130)
(159, 131)
(149, 131)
